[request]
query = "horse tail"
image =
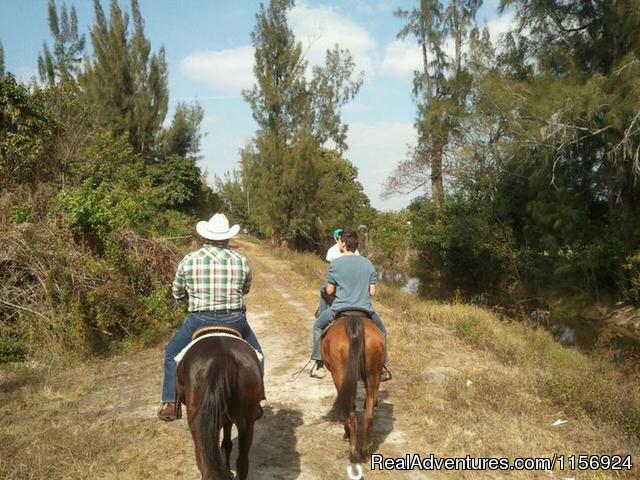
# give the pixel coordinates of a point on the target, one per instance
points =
(346, 399)
(212, 414)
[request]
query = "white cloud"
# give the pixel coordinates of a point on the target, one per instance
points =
(376, 148)
(401, 59)
(224, 71)
(317, 28)
(500, 25)
(320, 28)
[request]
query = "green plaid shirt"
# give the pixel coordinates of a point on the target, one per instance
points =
(214, 278)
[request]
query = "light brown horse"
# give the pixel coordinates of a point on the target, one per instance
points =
(352, 350)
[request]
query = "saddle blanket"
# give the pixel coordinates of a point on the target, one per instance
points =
(178, 358)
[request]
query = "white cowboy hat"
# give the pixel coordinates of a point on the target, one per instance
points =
(217, 228)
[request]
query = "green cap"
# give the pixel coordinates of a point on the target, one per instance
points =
(337, 232)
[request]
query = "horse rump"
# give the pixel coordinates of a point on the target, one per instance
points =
(355, 369)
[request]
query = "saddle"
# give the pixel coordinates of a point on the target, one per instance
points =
(353, 312)
(215, 329)
(349, 312)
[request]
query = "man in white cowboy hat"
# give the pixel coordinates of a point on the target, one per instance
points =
(215, 279)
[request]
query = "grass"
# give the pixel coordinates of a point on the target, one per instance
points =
(470, 383)
(532, 362)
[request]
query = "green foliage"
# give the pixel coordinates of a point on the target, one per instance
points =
(63, 65)
(441, 89)
(178, 179)
(463, 246)
(183, 137)
(126, 83)
(85, 159)
(295, 117)
(1, 61)
(21, 213)
(324, 192)
(234, 196)
(538, 140)
(390, 239)
(89, 209)
(24, 132)
(12, 349)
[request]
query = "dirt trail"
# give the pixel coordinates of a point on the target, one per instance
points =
(98, 420)
(294, 440)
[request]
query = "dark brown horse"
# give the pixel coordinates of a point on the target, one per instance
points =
(352, 350)
(219, 381)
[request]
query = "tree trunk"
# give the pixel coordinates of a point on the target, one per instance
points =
(437, 189)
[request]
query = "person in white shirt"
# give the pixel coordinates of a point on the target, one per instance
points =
(333, 253)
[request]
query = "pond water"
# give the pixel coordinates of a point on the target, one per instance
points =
(581, 333)
(408, 284)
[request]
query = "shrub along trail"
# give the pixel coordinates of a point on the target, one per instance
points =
(448, 397)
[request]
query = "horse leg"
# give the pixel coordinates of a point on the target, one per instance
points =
(373, 382)
(352, 424)
(227, 445)
(193, 427)
(337, 374)
(245, 439)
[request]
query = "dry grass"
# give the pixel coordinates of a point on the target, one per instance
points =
(465, 383)
(479, 386)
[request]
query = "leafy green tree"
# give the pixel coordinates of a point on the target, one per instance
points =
(295, 118)
(62, 65)
(234, 196)
(183, 135)
(25, 130)
(126, 82)
(150, 86)
(441, 90)
(1, 61)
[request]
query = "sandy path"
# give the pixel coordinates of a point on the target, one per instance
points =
(294, 440)
(98, 419)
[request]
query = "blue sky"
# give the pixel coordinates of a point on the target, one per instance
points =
(208, 45)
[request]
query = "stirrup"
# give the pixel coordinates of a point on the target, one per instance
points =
(174, 411)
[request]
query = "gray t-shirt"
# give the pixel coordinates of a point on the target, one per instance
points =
(352, 275)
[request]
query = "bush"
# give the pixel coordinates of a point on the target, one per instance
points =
(462, 247)
(21, 213)
(631, 289)
(12, 349)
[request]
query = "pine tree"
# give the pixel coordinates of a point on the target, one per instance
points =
(440, 90)
(183, 135)
(63, 64)
(295, 118)
(126, 82)
(1, 61)
(150, 85)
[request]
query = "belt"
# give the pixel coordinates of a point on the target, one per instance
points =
(226, 311)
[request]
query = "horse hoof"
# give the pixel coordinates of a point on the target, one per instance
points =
(355, 471)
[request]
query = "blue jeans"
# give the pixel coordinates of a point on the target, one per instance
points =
(326, 318)
(182, 338)
(322, 306)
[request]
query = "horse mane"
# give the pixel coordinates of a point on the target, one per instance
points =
(355, 370)
(212, 413)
